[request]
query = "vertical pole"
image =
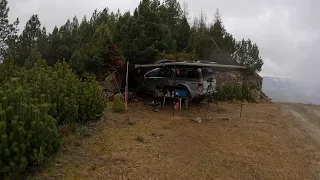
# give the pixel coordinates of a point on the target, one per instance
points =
(173, 109)
(242, 95)
(126, 89)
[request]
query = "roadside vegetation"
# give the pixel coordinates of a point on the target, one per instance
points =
(35, 102)
(234, 91)
(49, 80)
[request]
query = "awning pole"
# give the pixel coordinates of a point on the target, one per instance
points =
(242, 94)
(126, 91)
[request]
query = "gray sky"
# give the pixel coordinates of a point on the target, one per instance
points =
(286, 31)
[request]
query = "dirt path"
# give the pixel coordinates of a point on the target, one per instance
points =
(270, 141)
(308, 117)
(306, 126)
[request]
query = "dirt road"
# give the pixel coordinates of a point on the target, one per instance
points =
(270, 141)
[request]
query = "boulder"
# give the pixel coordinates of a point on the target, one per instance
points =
(197, 120)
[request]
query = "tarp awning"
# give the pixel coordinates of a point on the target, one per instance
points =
(193, 64)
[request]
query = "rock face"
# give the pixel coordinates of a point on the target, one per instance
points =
(254, 82)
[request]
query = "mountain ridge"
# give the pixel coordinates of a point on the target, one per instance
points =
(281, 89)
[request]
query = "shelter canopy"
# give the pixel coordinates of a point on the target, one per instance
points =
(214, 66)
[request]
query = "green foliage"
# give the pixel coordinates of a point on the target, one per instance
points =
(77, 62)
(117, 105)
(91, 100)
(75, 100)
(178, 56)
(68, 94)
(247, 54)
(28, 134)
(7, 68)
(217, 31)
(234, 91)
(183, 35)
(35, 103)
(153, 28)
(60, 85)
(8, 31)
(29, 38)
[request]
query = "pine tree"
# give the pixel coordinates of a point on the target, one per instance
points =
(217, 32)
(7, 30)
(171, 14)
(85, 31)
(147, 33)
(77, 62)
(54, 43)
(200, 38)
(43, 43)
(183, 35)
(124, 37)
(97, 49)
(229, 43)
(247, 54)
(29, 38)
(202, 21)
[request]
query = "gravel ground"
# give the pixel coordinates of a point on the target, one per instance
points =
(270, 141)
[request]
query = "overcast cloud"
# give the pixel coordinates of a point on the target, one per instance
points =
(286, 31)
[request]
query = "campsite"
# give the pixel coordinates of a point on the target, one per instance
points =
(157, 89)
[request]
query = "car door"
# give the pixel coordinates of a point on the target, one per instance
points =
(166, 77)
(151, 79)
(188, 77)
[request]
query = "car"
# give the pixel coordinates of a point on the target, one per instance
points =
(193, 80)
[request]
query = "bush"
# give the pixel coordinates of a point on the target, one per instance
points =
(59, 84)
(74, 99)
(117, 105)
(35, 100)
(92, 102)
(28, 134)
(7, 69)
(234, 91)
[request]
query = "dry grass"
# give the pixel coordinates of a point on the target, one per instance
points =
(142, 144)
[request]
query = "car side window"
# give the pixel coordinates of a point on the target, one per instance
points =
(154, 73)
(165, 73)
(187, 73)
(208, 73)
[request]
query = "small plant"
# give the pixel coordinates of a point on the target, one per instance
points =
(140, 139)
(117, 105)
(131, 123)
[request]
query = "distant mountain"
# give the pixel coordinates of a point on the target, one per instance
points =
(288, 90)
